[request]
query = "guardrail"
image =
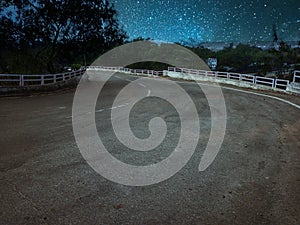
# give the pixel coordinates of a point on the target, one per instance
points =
(127, 70)
(41, 80)
(296, 76)
(247, 78)
(255, 80)
(37, 80)
(146, 72)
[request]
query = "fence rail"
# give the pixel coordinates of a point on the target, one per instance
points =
(37, 80)
(256, 80)
(127, 70)
(41, 80)
(296, 76)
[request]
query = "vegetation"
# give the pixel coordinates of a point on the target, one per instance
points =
(244, 58)
(46, 35)
(249, 59)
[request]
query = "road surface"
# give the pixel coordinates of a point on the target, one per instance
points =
(255, 178)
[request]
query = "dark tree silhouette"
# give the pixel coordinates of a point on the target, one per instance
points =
(275, 36)
(51, 30)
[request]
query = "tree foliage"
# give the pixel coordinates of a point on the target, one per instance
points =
(53, 33)
(250, 59)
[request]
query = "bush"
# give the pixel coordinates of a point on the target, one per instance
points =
(75, 66)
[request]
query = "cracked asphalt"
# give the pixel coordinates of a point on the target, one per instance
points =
(255, 178)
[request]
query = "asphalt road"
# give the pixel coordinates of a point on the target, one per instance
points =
(255, 178)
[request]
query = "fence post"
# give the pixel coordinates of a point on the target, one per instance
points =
(273, 83)
(54, 78)
(21, 83)
(42, 80)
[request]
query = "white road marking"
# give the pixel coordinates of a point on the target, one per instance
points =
(120, 106)
(254, 93)
(234, 89)
(248, 92)
(101, 110)
(141, 84)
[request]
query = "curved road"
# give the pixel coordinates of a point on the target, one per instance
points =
(254, 180)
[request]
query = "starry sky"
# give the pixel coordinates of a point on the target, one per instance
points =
(210, 20)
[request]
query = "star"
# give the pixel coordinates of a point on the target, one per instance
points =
(213, 20)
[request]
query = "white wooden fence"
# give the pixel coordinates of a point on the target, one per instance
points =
(296, 76)
(37, 80)
(41, 80)
(256, 80)
(127, 70)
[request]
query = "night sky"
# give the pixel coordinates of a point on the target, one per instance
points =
(210, 20)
